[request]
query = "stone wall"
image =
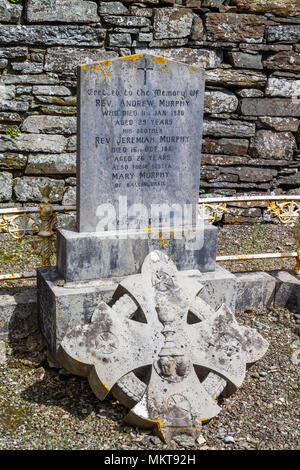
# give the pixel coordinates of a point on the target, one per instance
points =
(250, 49)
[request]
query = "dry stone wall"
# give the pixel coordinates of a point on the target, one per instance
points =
(249, 48)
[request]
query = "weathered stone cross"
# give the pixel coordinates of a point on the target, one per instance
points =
(159, 325)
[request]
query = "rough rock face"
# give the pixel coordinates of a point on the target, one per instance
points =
(249, 48)
(268, 144)
(9, 13)
(277, 7)
(61, 11)
(233, 27)
(172, 23)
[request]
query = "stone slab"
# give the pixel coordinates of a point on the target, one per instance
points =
(85, 255)
(18, 314)
(140, 124)
(219, 287)
(254, 290)
(287, 293)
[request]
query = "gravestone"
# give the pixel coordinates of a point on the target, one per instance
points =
(156, 106)
(162, 350)
(160, 334)
(140, 124)
(140, 127)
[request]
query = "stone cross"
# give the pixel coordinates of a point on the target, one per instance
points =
(145, 68)
(162, 350)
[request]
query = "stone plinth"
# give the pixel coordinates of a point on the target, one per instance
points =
(93, 255)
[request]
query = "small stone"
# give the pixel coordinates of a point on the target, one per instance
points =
(64, 373)
(255, 375)
(229, 440)
(295, 357)
(201, 439)
(155, 440)
(184, 440)
(263, 374)
(295, 344)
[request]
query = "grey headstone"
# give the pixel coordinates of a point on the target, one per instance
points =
(140, 126)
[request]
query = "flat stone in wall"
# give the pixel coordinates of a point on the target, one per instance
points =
(226, 146)
(244, 60)
(220, 102)
(69, 198)
(172, 23)
(27, 189)
(285, 60)
(33, 143)
(235, 78)
(283, 87)
(233, 27)
(44, 79)
(228, 128)
(9, 12)
(197, 57)
(270, 107)
(12, 161)
(5, 186)
(61, 59)
(51, 164)
(280, 124)
(277, 7)
(268, 144)
(283, 33)
(51, 35)
(50, 124)
(62, 11)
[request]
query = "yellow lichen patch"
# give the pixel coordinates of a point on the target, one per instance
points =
(105, 386)
(83, 67)
(106, 63)
(201, 419)
(133, 57)
(192, 67)
(159, 60)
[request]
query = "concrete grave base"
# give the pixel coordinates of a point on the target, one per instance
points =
(95, 255)
(287, 293)
(254, 290)
(18, 314)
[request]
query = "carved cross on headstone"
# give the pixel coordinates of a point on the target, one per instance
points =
(145, 68)
(159, 330)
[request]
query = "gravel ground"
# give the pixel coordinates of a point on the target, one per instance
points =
(43, 408)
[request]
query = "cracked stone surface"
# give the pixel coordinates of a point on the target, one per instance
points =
(162, 351)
